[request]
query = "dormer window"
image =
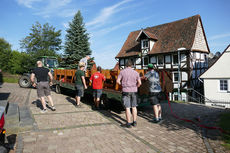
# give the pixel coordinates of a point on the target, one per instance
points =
(144, 43)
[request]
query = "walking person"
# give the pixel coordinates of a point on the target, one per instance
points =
(130, 80)
(154, 90)
(43, 85)
(85, 61)
(80, 83)
(97, 83)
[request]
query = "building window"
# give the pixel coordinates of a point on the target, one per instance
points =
(153, 60)
(145, 60)
(145, 43)
(167, 59)
(223, 85)
(122, 62)
(175, 59)
(160, 60)
(175, 77)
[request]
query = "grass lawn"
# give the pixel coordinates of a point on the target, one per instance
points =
(224, 123)
(10, 78)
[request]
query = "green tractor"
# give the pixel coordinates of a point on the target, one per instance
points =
(49, 62)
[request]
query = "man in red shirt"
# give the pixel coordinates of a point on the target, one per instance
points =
(97, 79)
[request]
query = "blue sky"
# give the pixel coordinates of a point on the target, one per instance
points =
(110, 21)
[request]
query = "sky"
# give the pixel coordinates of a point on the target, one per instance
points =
(109, 22)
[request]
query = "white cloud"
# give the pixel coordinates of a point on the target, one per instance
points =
(106, 13)
(219, 36)
(48, 8)
(105, 31)
(56, 7)
(27, 3)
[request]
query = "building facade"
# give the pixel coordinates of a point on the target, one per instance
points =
(217, 81)
(179, 48)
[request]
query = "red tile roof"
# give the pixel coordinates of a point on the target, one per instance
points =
(170, 37)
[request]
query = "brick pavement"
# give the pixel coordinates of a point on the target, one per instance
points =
(71, 129)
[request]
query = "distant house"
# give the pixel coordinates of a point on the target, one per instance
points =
(181, 42)
(217, 81)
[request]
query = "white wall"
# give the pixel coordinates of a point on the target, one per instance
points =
(211, 91)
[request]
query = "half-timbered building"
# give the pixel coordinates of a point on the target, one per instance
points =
(179, 48)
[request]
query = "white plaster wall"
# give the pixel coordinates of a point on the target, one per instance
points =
(211, 91)
(184, 76)
(151, 44)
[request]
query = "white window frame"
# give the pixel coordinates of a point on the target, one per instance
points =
(219, 87)
(174, 77)
(143, 43)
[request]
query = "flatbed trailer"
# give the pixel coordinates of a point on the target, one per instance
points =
(64, 78)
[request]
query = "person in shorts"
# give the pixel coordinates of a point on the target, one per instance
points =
(97, 83)
(130, 80)
(85, 61)
(80, 83)
(43, 85)
(154, 90)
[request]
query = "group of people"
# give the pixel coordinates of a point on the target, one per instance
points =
(128, 78)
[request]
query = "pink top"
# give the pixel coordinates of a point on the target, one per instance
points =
(129, 78)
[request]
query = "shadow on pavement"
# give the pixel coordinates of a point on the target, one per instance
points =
(200, 114)
(4, 96)
(71, 100)
(38, 104)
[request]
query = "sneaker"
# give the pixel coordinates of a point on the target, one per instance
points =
(134, 124)
(53, 108)
(156, 120)
(78, 106)
(128, 125)
(43, 111)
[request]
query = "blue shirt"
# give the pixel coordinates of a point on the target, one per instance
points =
(154, 81)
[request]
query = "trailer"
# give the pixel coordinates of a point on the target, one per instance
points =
(64, 78)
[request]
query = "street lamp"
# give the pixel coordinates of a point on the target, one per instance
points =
(179, 76)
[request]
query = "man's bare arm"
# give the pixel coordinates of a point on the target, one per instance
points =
(139, 82)
(51, 78)
(83, 80)
(32, 76)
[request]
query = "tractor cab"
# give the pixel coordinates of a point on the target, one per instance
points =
(49, 62)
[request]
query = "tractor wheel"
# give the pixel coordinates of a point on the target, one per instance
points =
(24, 82)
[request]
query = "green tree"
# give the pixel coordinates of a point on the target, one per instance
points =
(77, 43)
(42, 41)
(5, 54)
(20, 62)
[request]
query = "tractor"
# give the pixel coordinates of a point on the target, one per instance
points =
(49, 62)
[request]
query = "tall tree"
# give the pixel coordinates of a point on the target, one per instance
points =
(5, 54)
(42, 41)
(77, 43)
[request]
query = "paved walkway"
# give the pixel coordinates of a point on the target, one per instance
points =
(75, 130)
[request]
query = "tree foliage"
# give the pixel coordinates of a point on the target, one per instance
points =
(5, 54)
(42, 41)
(77, 43)
(20, 62)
